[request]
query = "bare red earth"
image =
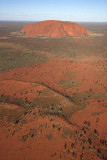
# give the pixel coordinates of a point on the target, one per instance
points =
(52, 28)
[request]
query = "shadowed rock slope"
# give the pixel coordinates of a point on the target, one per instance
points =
(53, 28)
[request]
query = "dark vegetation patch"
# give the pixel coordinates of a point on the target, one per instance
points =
(98, 113)
(70, 83)
(49, 136)
(6, 27)
(14, 114)
(11, 58)
(96, 27)
(80, 98)
(48, 103)
(67, 132)
(56, 104)
(69, 74)
(16, 100)
(69, 110)
(32, 133)
(63, 47)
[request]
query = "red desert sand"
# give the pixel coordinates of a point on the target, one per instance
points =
(52, 28)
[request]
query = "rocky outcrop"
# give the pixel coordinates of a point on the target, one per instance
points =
(53, 28)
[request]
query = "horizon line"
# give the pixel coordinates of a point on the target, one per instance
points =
(52, 19)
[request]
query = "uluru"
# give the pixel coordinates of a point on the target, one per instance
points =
(53, 29)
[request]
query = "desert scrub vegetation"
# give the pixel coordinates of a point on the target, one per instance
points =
(56, 104)
(69, 74)
(12, 58)
(16, 100)
(46, 98)
(71, 107)
(70, 83)
(69, 110)
(98, 113)
(46, 101)
(32, 133)
(66, 132)
(14, 114)
(80, 98)
(48, 105)
(49, 136)
(7, 27)
(49, 102)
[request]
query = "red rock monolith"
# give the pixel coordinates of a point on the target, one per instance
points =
(53, 28)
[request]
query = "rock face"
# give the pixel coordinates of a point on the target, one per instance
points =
(53, 28)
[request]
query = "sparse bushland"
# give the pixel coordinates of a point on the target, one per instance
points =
(16, 100)
(56, 104)
(47, 105)
(14, 114)
(80, 98)
(70, 83)
(12, 58)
